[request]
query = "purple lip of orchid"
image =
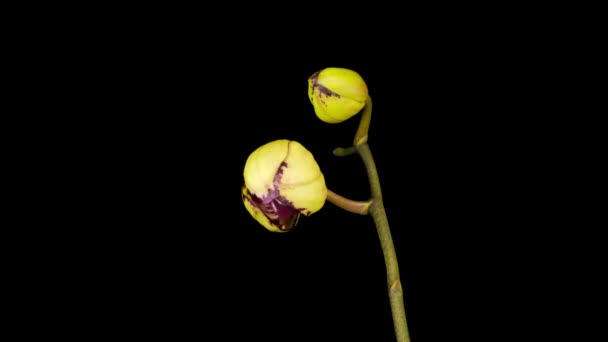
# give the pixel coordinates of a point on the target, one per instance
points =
(279, 210)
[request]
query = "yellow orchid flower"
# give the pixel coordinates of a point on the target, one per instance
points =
(337, 94)
(282, 181)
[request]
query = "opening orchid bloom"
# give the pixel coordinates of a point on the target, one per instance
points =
(337, 94)
(282, 181)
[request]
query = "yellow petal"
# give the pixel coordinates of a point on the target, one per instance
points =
(301, 165)
(336, 109)
(262, 166)
(344, 82)
(302, 182)
(310, 196)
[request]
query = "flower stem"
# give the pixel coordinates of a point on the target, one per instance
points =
(378, 213)
(343, 152)
(366, 118)
(355, 207)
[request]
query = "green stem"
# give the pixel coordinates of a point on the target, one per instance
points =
(386, 242)
(378, 213)
(355, 207)
(366, 118)
(343, 152)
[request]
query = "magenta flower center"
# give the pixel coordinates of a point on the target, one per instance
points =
(280, 211)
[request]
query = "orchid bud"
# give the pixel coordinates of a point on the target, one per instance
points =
(282, 181)
(337, 94)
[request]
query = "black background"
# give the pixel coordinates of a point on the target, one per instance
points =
(163, 245)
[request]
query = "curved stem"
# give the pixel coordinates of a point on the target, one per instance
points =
(361, 135)
(388, 249)
(366, 117)
(395, 290)
(355, 207)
